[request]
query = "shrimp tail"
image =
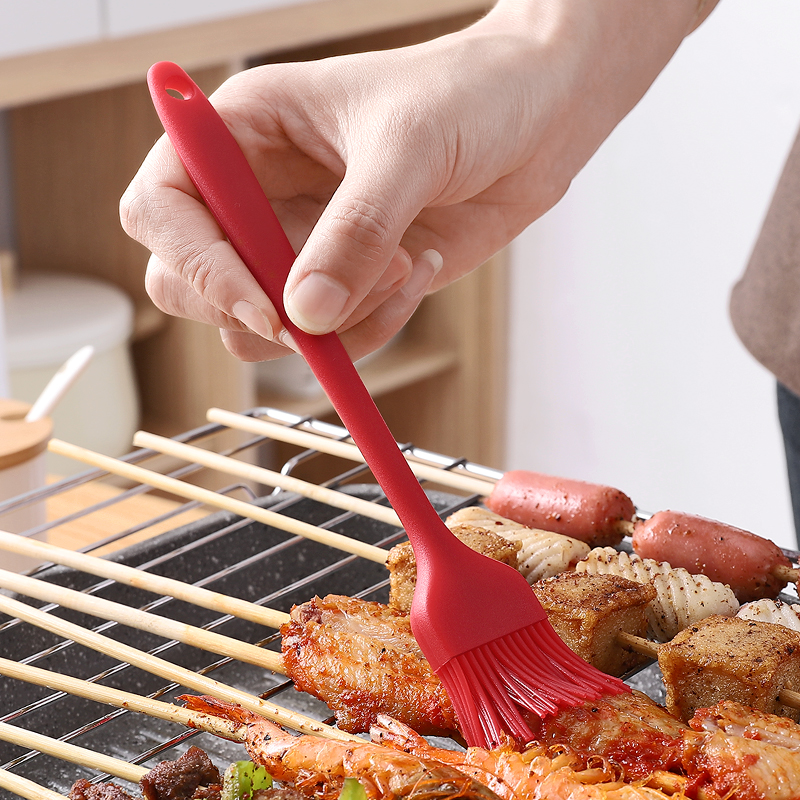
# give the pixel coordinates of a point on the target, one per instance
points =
(206, 704)
(392, 732)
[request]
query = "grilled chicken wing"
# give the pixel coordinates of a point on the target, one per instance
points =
(361, 659)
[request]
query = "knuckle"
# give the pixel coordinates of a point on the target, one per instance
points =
(366, 226)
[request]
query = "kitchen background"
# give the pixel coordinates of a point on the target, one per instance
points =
(598, 347)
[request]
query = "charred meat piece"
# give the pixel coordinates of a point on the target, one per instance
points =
(181, 779)
(361, 659)
(403, 566)
(83, 790)
(588, 611)
(726, 658)
(191, 777)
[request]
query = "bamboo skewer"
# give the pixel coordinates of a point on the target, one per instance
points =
(115, 697)
(27, 788)
(72, 753)
(207, 497)
(140, 579)
(241, 469)
(168, 670)
(313, 441)
(142, 620)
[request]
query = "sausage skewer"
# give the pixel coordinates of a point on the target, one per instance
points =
(754, 567)
(598, 515)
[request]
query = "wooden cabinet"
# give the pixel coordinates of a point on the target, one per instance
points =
(81, 122)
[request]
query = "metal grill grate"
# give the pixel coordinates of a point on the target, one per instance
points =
(230, 555)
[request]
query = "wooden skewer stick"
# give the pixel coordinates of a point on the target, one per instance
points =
(72, 753)
(120, 699)
(27, 788)
(313, 441)
(207, 497)
(241, 469)
(788, 574)
(142, 620)
(168, 671)
(141, 580)
(647, 648)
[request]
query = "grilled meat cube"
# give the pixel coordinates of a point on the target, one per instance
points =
(403, 566)
(362, 659)
(542, 554)
(726, 658)
(588, 611)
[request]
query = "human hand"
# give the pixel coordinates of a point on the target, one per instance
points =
(394, 173)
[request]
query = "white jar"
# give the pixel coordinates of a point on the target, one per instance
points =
(49, 316)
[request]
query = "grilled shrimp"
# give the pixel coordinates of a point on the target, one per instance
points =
(317, 767)
(539, 773)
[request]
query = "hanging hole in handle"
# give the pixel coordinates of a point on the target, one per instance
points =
(179, 87)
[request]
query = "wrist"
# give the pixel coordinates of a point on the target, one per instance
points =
(591, 61)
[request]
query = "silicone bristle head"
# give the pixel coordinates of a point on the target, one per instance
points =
(529, 670)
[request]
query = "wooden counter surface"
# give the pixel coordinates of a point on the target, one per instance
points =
(112, 519)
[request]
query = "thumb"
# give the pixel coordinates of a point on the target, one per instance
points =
(352, 251)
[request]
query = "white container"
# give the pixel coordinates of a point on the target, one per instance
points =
(49, 317)
(22, 470)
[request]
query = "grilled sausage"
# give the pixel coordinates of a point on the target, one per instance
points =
(597, 515)
(752, 566)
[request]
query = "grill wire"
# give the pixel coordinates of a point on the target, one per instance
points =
(222, 552)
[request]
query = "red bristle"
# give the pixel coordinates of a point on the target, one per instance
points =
(532, 670)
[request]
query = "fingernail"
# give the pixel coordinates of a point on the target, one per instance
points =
(434, 258)
(286, 339)
(317, 303)
(250, 316)
(421, 279)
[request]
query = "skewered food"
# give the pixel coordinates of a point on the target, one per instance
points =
(542, 554)
(725, 658)
(403, 566)
(190, 777)
(752, 566)
(411, 768)
(775, 611)
(742, 764)
(631, 730)
(681, 598)
(361, 659)
(588, 612)
(318, 767)
(597, 515)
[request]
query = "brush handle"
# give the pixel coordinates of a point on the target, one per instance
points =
(230, 190)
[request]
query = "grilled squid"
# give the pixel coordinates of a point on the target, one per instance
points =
(681, 598)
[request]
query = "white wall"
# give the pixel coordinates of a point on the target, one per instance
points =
(624, 367)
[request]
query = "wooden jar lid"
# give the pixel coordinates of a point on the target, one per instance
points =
(20, 440)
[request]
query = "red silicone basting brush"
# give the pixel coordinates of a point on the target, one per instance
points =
(476, 620)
